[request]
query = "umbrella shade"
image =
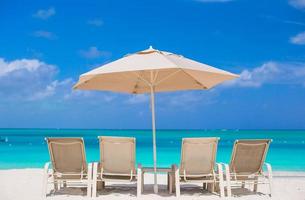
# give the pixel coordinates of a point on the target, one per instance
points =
(136, 73)
(151, 71)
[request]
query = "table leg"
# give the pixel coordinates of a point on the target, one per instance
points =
(170, 182)
(142, 183)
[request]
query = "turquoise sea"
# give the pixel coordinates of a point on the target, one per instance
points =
(26, 148)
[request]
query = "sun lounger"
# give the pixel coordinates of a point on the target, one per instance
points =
(117, 163)
(198, 164)
(246, 166)
(68, 165)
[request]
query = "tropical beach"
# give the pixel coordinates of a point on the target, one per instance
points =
(25, 176)
(198, 99)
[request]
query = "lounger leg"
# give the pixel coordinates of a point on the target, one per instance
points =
(173, 186)
(99, 185)
(204, 186)
(255, 184)
(58, 184)
(64, 184)
(221, 184)
(211, 187)
(142, 182)
(94, 175)
(243, 184)
(168, 181)
(177, 181)
(55, 186)
(139, 181)
(228, 181)
(89, 180)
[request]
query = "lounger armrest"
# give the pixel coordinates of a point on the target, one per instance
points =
(46, 168)
(225, 166)
(227, 178)
(219, 167)
(96, 166)
(47, 165)
(226, 169)
(269, 169)
(267, 165)
(90, 169)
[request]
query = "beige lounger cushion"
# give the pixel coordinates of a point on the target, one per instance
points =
(248, 156)
(117, 155)
(198, 156)
(67, 156)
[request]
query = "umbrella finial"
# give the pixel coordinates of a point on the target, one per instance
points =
(150, 47)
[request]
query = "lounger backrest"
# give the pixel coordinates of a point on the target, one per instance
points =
(248, 156)
(117, 155)
(67, 155)
(198, 155)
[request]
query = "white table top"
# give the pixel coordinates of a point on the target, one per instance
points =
(159, 169)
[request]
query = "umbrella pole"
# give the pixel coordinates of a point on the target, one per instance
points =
(152, 96)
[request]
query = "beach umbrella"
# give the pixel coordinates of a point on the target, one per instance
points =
(151, 71)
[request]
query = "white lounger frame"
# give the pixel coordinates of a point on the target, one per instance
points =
(217, 178)
(259, 178)
(48, 178)
(96, 176)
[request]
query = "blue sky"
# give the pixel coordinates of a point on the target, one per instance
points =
(46, 45)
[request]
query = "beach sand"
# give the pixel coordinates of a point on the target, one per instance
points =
(23, 184)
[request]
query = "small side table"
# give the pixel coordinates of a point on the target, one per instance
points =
(170, 171)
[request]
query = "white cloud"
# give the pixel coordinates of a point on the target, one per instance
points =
(94, 52)
(51, 89)
(44, 34)
(45, 14)
(95, 22)
(137, 99)
(299, 4)
(25, 78)
(214, 1)
(33, 80)
(22, 64)
(298, 39)
(270, 73)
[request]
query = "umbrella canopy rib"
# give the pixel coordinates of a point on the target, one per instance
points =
(195, 80)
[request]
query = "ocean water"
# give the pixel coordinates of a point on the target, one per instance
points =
(26, 148)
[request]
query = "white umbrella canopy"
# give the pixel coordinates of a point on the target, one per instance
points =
(136, 73)
(151, 71)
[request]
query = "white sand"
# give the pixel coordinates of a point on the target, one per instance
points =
(26, 184)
